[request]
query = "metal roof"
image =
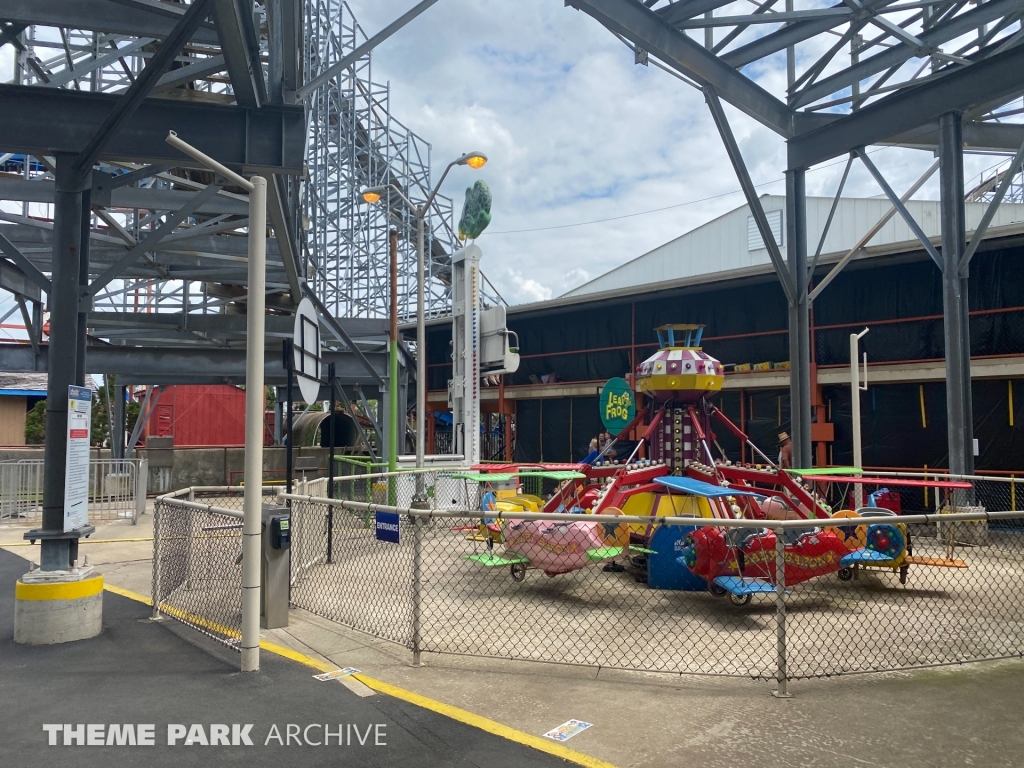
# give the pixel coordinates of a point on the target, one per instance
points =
(23, 383)
(722, 247)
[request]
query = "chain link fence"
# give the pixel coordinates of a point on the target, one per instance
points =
(952, 596)
(950, 592)
(197, 559)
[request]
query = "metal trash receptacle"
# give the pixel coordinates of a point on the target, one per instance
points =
(275, 566)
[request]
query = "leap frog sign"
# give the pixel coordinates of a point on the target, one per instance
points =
(618, 405)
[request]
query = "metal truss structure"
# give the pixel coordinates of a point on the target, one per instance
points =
(138, 252)
(354, 143)
(988, 184)
(938, 75)
(164, 262)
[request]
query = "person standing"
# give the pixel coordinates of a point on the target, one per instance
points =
(785, 451)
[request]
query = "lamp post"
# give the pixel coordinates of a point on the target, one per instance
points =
(474, 160)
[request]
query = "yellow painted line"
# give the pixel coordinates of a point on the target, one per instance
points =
(128, 593)
(485, 724)
(447, 710)
(80, 541)
(64, 590)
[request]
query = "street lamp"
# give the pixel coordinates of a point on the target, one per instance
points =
(476, 161)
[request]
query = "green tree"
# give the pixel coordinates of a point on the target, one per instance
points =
(100, 433)
(35, 424)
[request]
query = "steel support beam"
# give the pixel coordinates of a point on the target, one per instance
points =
(276, 210)
(45, 121)
(27, 269)
(342, 335)
(979, 233)
(901, 207)
(110, 195)
(799, 319)
(894, 56)
(902, 112)
(241, 51)
(148, 19)
(646, 30)
(779, 40)
(215, 324)
(980, 137)
(285, 32)
(117, 428)
(362, 50)
(84, 301)
(56, 553)
(158, 234)
(17, 282)
(131, 99)
(190, 365)
(749, 192)
(959, 409)
(202, 69)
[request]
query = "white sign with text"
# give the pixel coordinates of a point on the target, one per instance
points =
(76, 472)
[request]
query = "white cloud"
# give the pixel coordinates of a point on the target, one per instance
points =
(523, 289)
(576, 132)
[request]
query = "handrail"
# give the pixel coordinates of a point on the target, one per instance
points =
(841, 522)
(175, 502)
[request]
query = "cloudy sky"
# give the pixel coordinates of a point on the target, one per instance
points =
(575, 133)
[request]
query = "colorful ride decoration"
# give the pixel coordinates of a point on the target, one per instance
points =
(679, 370)
(617, 404)
(476, 211)
(562, 547)
(681, 477)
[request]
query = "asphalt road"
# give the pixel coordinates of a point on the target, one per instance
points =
(143, 673)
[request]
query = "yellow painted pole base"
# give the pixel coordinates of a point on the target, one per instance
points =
(58, 612)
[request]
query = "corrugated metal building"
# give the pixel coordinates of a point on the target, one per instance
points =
(719, 275)
(730, 246)
(200, 414)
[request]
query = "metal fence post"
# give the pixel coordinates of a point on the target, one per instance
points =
(417, 567)
(330, 533)
(156, 561)
(780, 614)
(141, 487)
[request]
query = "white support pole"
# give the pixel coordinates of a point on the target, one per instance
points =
(255, 399)
(855, 390)
(420, 497)
(255, 403)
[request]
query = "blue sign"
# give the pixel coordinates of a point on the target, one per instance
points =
(387, 527)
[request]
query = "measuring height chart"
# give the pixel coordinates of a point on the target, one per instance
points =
(76, 475)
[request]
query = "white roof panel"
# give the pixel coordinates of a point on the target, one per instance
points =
(723, 244)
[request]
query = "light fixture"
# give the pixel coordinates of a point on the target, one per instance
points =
(475, 160)
(373, 194)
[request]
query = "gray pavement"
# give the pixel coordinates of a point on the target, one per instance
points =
(141, 672)
(934, 718)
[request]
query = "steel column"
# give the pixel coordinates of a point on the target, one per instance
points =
(83, 285)
(57, 554)
(330, 465)
(959, 412)
(117, 429)
(799, 318)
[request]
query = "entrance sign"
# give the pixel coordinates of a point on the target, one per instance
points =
(307, 350)
(618, 405)
(388, 527)
(76, 473)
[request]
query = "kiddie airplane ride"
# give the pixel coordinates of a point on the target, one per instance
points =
(681, 478)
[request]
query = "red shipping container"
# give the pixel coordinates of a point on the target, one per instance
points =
(200, 414)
